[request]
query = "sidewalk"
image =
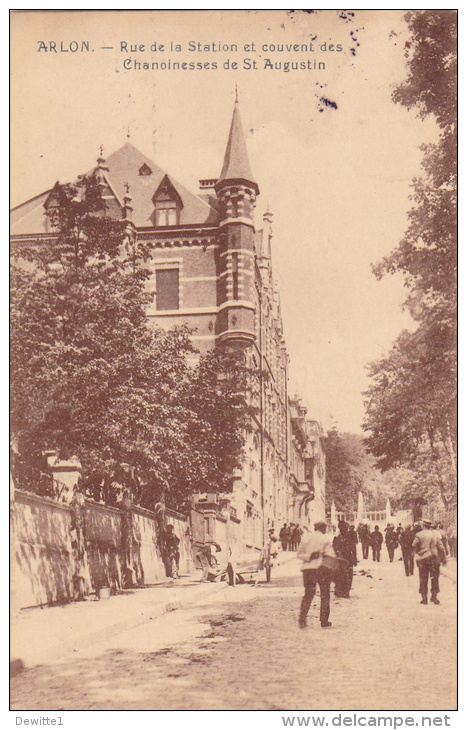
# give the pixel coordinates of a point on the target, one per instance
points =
(41, 635)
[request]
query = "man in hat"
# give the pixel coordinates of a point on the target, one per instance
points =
(292, 546)
(376, 540)
(284, 536)
(296, 536)
(345, 547)
(363, 532)
(313, 547)
(270, 551)
(430, 553)
(392, 541)
(405, 541)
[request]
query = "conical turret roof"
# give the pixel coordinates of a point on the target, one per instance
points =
(236, 164)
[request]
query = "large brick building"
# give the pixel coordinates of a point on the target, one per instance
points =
(212, 270)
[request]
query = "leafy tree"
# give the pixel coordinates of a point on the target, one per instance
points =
(428, 479)
(427, 253)
(410, 405)
(91, 378)
(411, 399)
(347, 469)
(220, 394)
(351, 469)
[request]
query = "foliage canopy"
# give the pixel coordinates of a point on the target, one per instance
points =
(92, 378)
(411, 402)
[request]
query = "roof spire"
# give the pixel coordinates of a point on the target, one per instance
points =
(127, 208)
(101, 159)
(101, 168)
(236, 165)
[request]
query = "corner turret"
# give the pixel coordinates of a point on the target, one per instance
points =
(236, 190)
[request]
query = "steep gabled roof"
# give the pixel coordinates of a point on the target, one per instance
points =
(125, 165)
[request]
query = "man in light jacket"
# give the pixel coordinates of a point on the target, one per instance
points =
(430, 554)
(313, 547)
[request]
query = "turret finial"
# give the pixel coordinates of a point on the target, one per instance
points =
(236, 93)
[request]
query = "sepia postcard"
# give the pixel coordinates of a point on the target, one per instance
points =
(233, 420)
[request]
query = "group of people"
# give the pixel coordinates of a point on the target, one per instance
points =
(290, 536)
(394, 538)
(373, 539)
(327, 559)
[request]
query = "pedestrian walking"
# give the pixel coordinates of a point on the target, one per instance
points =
(345, 547)
(430, 554)
(171, 552)
(292, 546)
(363, 532)
(392, 541)
(284, 536)
(297, 536)
(376, 540)
(313, 547)
(269, 553)
(406, 539)
(452, 541)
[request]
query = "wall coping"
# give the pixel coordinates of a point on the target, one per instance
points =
(178, 515)
(108, 507)
(21, 495)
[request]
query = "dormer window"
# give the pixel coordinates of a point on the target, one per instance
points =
(145, 170)
(167, 204)
(166, 213)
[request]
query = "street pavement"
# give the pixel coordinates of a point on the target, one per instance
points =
(43, 634)
(241, 649)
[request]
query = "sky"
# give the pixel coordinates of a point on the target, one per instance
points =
(332, 154)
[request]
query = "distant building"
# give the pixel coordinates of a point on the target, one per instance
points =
(213, 271)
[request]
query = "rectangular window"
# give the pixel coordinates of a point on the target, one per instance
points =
(235, 275)
(166, 213)
(167, 289)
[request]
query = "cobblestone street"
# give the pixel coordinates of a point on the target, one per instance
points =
(242, 650)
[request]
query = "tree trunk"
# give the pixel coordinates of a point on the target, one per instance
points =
(447, 440)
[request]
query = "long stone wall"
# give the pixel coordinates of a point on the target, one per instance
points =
(42, 566)
(45, 566)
